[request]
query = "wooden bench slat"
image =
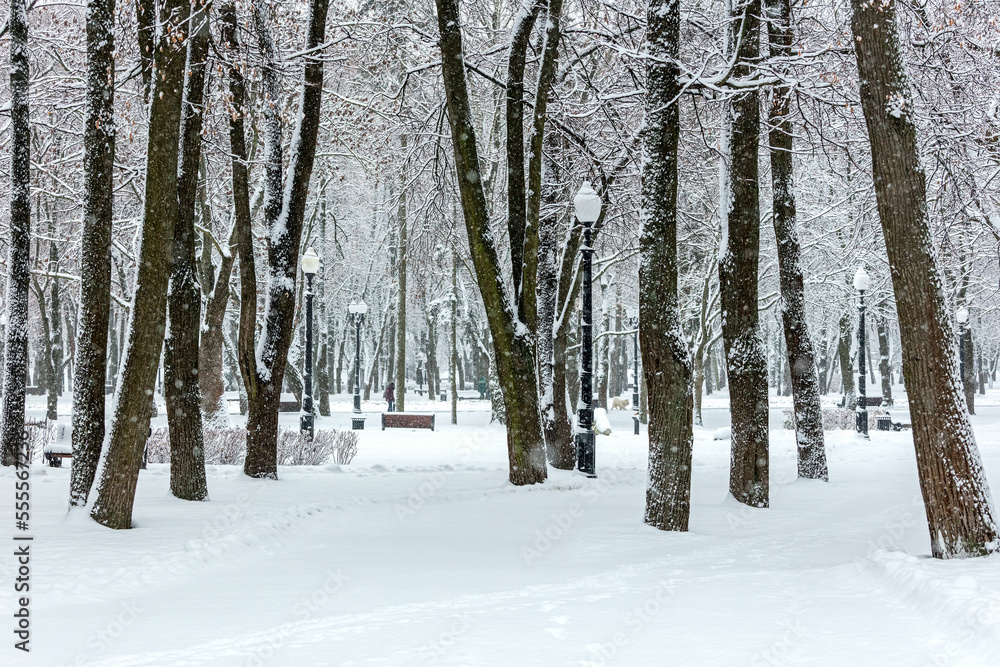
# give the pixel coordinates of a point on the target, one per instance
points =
(406, 420)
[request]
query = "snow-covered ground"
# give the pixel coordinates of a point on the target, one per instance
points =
(420, 552)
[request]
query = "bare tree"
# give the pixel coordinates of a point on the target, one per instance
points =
(99, 134)
(180, 354)
(738, 263)
(19, 251)
(960, 513)
(284, 210)
(512, 342)
(666, 361)
(801, 359)
(130, 423)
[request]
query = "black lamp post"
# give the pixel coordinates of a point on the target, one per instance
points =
(861, 283)
(357, 311)
(310, 265)
(963, 320)
(588, 210)
(633, 322)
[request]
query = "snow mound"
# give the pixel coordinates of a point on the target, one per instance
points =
(724, 433)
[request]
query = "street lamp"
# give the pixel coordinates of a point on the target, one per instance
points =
(588, 209)
(633, 322)
(357, 311)
(861, 283)
(310, 265)
(963, 320)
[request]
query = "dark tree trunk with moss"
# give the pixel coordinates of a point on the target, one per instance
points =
(130, 423)
(99, 133)
(180, 354)
(799, 350)
(745, 361)
(513, 345)
(666, 361)
(960, 513)
(283, 217)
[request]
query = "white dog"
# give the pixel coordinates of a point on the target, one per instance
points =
(619, 404)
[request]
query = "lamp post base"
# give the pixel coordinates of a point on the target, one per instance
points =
(861, 417)
(357, 403)
(585, 453)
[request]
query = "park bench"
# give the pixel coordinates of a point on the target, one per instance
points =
(870, 402)
(406, 420)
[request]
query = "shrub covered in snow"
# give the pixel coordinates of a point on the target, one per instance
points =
(228, 446)
(839, 419)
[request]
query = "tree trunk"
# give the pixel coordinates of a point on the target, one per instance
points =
(798, 346)
(513, 346)
(960, 513)
(884, 369)
(401, 259)
(666, 361)
(747, 367)
(524, 22)
(968, 370)
(283, 217)
(844, 357)
(454, 337)
(130, 424)
(180, 351)
(19, 251)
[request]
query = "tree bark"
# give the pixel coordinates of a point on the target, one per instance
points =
(884, 369)
(524, 22)
(401, 260)
(513, 346)
(959, 507)
(180, 354)
(18, 254)
(747, 366)
(844, 357)
(130, 423)
(798, 346)
(99, 132)
(666, 361)
(968, 370)
(263, 370)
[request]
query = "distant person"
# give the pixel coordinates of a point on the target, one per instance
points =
(482, 387)
(390, 396)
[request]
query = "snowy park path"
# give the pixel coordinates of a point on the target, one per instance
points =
(419, 552)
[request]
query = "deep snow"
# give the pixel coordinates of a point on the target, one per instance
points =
(420, 552)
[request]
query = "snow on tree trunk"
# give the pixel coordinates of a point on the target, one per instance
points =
(960, 513)
(263, 368)
(884, 369)
(401, 259)
(512, 341)
(745, 361)
(180, 353)
(666, 361)
(798, 346)
(18, 252)
(130, 423)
